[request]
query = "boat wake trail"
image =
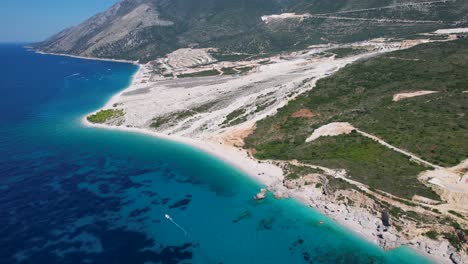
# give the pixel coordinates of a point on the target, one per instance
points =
(73, 75)
(168, 217)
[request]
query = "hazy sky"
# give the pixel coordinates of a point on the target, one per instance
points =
(35, 20)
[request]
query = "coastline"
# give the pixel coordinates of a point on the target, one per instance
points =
(227, 154)
(271, 176)
(81, 57)
(258, 170)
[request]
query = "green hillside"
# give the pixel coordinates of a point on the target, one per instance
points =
(434, 127)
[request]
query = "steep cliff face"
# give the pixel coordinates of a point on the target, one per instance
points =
(146, 29)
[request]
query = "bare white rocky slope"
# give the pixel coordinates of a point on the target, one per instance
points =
(203, 107)
(120, 22)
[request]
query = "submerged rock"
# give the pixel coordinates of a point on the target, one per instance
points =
(261, 195)
(266, 224)
(242, 216)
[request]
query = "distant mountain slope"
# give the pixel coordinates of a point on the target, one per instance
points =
(113, 33)
(145, 29)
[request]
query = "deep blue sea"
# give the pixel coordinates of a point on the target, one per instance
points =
(73, 194)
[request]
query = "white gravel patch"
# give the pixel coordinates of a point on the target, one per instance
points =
(400, 96)
(332, 129)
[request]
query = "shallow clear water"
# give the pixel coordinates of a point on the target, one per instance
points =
(72, 194)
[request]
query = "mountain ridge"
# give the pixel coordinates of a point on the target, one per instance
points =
(146, 29)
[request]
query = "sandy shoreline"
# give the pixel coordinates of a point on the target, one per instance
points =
(265, 174)
(230, 155)
(360, 222)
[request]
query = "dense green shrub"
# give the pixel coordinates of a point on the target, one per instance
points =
(105, 115)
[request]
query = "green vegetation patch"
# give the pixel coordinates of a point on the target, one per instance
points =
(434, 127)
(244, 69)
(432, 234)
(236, 70)
(336, 184)
(454, 240)
(236, 117)
(183, 115)
(204, 107)
(296, 172)
(105, 115)
(229, 71)
(199, 74)
(157, 122)
(260, 106)
(456, 214)
(229, 57)
(346, 52)
(365, 161)
(172, 118)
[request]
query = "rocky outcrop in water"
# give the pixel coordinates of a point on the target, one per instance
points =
(261, 195)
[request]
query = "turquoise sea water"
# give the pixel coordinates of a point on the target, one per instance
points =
(72, 194)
